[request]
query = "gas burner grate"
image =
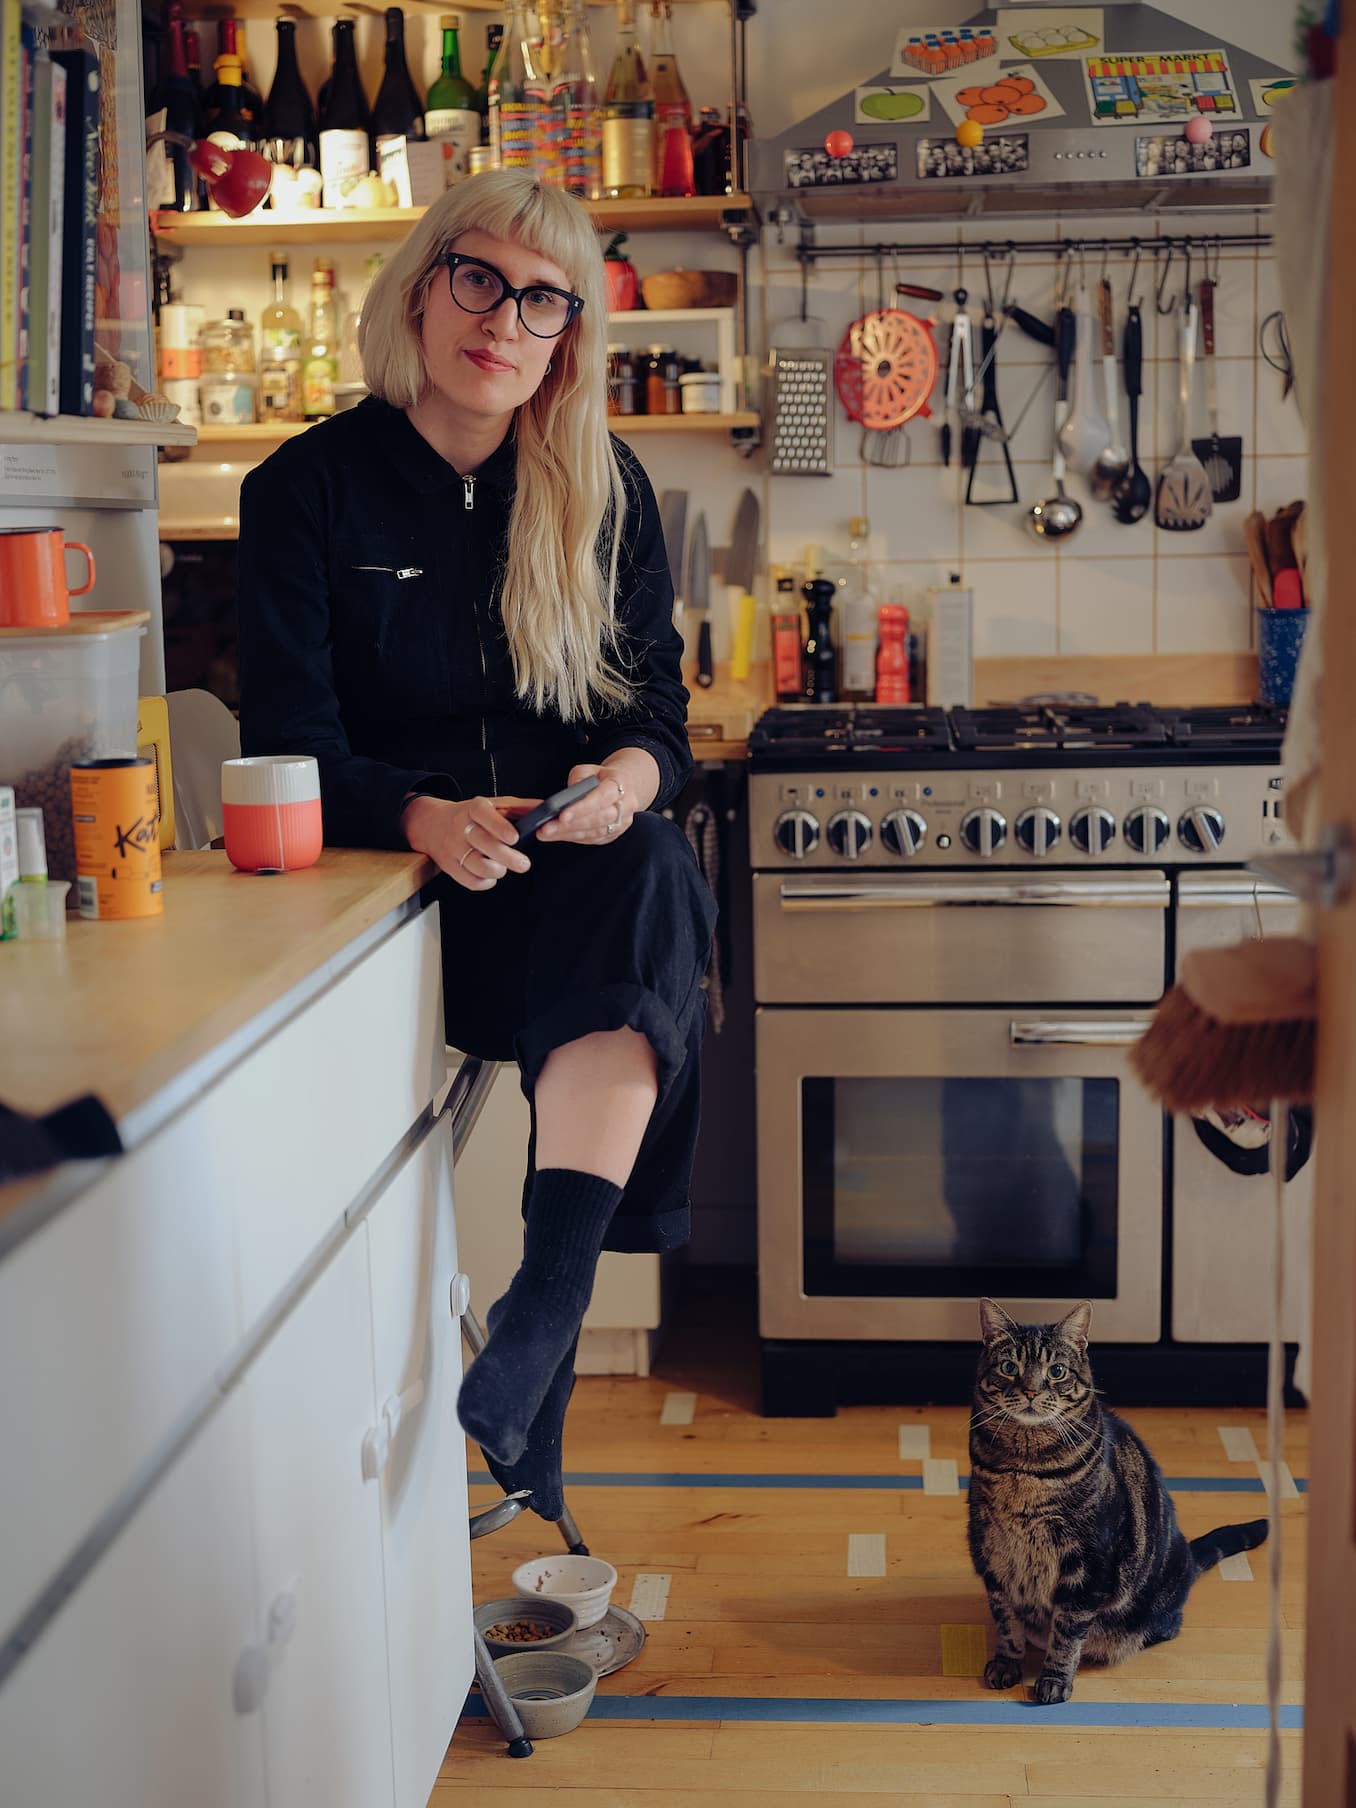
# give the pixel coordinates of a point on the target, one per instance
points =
(1226, 727)
(1046, 727)
(835, 732)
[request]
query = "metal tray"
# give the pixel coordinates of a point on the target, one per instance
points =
(610, 1645)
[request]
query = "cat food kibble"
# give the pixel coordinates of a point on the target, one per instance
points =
(519, 1632)
(48, 788)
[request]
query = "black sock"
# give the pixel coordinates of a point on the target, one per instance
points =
(537, 1321)
(539, 1467)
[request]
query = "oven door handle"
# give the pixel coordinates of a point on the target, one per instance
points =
(1151, 892)
(1053, 1033)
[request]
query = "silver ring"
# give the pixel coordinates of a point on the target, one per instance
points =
(611, 826)
(467, 830)
(621, 788)
(461, 864)
(617, 818)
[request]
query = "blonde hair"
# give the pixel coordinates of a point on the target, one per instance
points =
(559, 586)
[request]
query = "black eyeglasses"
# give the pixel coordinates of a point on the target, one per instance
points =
(479, 288)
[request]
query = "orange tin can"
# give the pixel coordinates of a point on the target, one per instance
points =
(117, 839)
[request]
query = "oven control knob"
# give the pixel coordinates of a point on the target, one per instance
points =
(984, 831)
(1037, 830)
(1201, 829)
(903, 832)
(849, 832)
(1146, 829)
(1092, 831)
(797, 833)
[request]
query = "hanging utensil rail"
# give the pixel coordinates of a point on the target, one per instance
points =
(1211, 243)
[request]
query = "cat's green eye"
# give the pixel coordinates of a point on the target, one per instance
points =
(1009, 1367)
(1057, 1371)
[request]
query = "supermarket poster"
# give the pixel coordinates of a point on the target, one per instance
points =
(1160, 88)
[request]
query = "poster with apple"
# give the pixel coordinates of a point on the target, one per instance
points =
(892, 105)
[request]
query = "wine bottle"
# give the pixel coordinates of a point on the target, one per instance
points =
(628, 115)
(288, 135)
(230, 129)
(450, 112)
(320, 366)
(579, 118)
(397, 112)
(672, 107)
(175, 94)
(515, 98)
(345, 122)
(494, 42)
(245, 105)
(251, 101)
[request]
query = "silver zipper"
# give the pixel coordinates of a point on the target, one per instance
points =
(485, 680)
(469, 485)
(400, 571)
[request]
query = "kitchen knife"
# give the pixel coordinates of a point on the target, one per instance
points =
(673, 519)
(739, 572)
(699, 598)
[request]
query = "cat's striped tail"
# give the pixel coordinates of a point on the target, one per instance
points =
(1227, 1541)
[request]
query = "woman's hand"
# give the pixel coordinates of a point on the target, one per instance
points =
(629, 782)
(471, 840)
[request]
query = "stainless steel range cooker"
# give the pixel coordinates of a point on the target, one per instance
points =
(962, 921)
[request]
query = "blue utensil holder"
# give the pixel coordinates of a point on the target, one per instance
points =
(1280, 635)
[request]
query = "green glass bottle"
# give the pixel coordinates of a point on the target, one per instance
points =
(450, 112)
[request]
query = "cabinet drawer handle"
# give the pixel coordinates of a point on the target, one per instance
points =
(254, 1666)
(377, 1442)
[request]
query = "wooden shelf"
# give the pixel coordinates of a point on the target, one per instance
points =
(347, 9)
(367, 225)
(85, 430)
(265, 433)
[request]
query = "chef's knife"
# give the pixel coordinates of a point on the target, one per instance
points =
(739, 575)
(699, 597)
(673, 519)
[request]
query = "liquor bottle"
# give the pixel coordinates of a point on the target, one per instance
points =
(397, 112)
(280, 351)
(345, 123)
(350, 358)
(320, 365)
(494, 43)
(175, 94)
(288, 135)
(515, 98)
(451, 113)
(672, 108)
(579, 118)
(711, 152)
(628, 115)
(546, 57)
(246, 105)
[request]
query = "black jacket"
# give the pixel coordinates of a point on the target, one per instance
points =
(371, 637)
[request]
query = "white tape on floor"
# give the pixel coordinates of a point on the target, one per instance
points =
(678, 1409)
(1288, 1489)
(650, 1596)
(866, 1554)
(915, 1443)
(940, 1476)
(1238, 1442)
(1235, 1568)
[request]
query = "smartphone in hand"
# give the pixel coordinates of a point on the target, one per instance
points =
(551, 807)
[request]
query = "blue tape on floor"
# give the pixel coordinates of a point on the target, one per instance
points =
(598, 1478)
(811, 1710)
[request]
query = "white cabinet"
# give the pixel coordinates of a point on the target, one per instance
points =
(127, 1700)
(422, 1481)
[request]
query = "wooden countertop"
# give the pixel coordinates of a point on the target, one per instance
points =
(123, 1009)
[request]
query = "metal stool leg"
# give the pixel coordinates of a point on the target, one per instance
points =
(499, 1702)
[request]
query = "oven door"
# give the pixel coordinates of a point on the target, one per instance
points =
(911, 1161)
(1221, 1219)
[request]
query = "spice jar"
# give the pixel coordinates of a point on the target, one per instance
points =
(229, 384)
(663, 371)
(700, 390)
(624, 395)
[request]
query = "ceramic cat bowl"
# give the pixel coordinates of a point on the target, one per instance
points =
(551, 1692)
(584, 1583)
(521, 1625)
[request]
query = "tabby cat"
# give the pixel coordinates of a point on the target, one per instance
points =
(1072, 1528)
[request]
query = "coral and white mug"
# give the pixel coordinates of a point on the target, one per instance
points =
(270, 806)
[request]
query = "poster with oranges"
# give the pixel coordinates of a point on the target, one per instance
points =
(1016, 96)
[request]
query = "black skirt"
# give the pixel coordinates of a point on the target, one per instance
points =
(594, 938)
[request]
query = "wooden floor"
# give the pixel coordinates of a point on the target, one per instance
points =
(820, 1643)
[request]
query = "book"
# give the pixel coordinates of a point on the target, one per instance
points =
(49, 169)
(23, 311)
(11, 127)
(79, 229)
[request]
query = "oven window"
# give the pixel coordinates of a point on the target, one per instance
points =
(943, 1187)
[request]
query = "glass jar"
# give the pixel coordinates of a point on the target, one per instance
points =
(229, 385)
(700, 390)
(624, 394)
(663, 374)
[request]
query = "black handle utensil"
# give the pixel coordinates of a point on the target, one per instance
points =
(1132, 495)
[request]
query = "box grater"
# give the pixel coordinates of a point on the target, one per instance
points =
(800, 410)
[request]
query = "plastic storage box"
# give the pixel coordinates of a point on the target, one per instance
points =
(66, 694)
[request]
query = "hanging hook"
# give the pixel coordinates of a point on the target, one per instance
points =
(1106, 253)
(1061, 276)
(1186, 286)
(1134, 276)
(1212, 258)
(1163, 283)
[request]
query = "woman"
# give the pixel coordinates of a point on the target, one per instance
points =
(456, 596)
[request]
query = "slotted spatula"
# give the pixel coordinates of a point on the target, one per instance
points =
(1183, 502)
(1222, 459)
